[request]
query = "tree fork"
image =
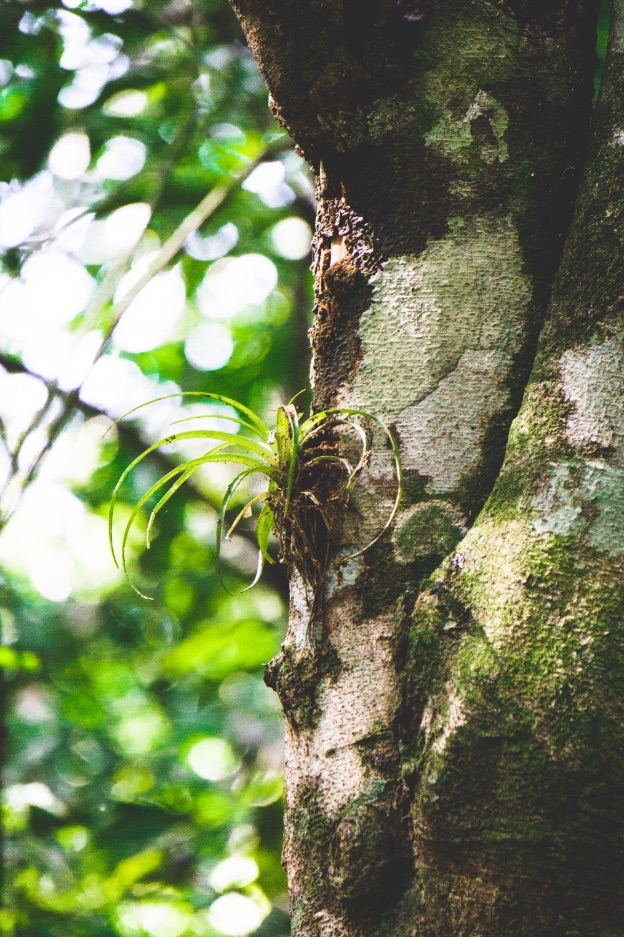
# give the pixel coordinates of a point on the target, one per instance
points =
(446, 138)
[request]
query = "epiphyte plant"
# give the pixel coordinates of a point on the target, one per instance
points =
(304, 464)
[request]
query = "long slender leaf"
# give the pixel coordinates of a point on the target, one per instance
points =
(230, 438)
(210, 457)
(306, 436)
(319, 459)
(169, 494)
(283, 436)
(258, 470)
(363, 454)
(215, 416)
(318, 418)
(298, 394)
(215, 455)
(259, 569)
(159, 484)
(180, 469)
(185, 472)
(258, 448)
(264, 529)
(262, 428)
(293, 419)
(243, 512)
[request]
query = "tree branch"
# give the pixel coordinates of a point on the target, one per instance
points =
(323, 60)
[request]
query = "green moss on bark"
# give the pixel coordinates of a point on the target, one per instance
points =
(296, 676)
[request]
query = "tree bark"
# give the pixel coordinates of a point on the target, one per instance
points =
(435, 744)
(519, 764)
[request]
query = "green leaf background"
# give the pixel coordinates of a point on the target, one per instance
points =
(143, 775)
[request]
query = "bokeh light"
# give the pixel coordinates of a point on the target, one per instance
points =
(211, 759)
(209, 347)
(234, 284)
(70, 156)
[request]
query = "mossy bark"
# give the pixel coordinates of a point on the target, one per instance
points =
(518, 769)
(447, 137)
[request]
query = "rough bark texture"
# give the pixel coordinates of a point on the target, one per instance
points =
(517, 651)
(447, 137)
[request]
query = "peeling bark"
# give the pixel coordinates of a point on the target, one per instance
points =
(447, 139)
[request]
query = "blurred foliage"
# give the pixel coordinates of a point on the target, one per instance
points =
(142, 785)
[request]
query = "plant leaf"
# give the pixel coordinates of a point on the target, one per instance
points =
(169, 494)
(185, 471)
(230, 438)
(262, 428)
(260, 470)
(233, 439)
(193, 465)
(317, 460)
(283, 437)
(162, 481)
(259, 569)
(215, 416)
(317, 420)
(293, 420)
(307, 434)
(264, 529)
(245, 512)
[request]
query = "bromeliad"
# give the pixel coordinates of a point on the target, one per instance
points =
(291, 458)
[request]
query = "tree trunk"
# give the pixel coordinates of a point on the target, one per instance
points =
(454, 737)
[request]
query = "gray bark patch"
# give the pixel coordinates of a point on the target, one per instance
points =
(439, 342)
(450, 135)
(593, 380)
(584, 498)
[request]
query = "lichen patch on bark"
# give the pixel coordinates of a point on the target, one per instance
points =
(593, 381)
(486, 120)
(301, 624)
(583, 496)
(555, 507)
(439, 727)
(439, 341)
